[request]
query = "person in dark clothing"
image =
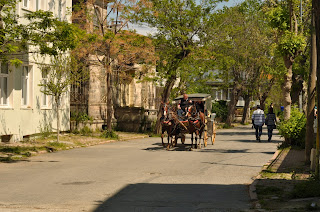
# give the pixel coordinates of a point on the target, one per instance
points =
(270, 122)
(200, 106)
(185, 103)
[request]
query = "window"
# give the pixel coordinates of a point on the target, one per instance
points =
(25, 3)
(37, 5)
(44, 97)
(219, 95)
(4, 84)
(229, 93)
(25, 79)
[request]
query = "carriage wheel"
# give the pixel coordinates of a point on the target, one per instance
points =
(213, 136)
(205, 138)
(199, 143)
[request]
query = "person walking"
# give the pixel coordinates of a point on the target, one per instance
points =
(258, 120)
(271, 121)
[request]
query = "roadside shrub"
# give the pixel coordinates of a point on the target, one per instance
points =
(294, 129)
(85, 131)
(109, 134)
(220, 108)
(80, 117)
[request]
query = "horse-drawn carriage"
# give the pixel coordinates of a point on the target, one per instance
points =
(198, 121)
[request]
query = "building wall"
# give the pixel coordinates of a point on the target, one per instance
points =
(18, 119)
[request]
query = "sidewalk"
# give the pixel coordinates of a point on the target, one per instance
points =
(271, 189)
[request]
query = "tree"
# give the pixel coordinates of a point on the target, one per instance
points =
(110, 43)
(62, 72)
(10, 33)
(179, 40)
(48, 37)
(290, 42)
(316, 8)
(242, 50)
(311, 92)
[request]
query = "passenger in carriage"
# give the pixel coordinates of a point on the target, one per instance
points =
(185, 102)
(181, 114)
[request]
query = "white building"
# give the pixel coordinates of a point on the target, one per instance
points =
(24, 109)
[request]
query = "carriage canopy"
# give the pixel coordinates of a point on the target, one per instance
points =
(206, 98)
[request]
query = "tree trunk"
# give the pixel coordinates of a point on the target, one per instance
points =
(286, 88)
(109, 101)
(232, 104)
(265, 94)
(164, 98)
(316, 6)
(57, 100)
(296, 89)
(311, 95)
(246, 110)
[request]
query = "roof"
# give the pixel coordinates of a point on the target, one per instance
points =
(195, 96)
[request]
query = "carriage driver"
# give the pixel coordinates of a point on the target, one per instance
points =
(185, 102)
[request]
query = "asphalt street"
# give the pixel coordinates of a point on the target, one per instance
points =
(139, 175)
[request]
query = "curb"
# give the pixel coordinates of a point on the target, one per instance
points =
(252, 187)
(88, 145)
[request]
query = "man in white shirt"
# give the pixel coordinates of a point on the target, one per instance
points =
(258, 120)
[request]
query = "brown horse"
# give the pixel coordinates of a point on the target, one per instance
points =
(196, 125)
(167, 124)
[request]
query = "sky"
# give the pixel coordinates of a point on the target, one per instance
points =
(145, 30)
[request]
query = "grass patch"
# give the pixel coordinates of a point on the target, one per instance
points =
(17, 149)
(269, 190)
(310, 188)
(225, 126)
(57, 145)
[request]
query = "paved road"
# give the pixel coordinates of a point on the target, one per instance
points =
(139, 175)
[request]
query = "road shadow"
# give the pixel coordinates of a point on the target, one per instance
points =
(177, 197)
(178, 147)
(234, 133)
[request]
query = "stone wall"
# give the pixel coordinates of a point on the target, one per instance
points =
(134, 119)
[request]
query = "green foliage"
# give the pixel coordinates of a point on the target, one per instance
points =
(290, 43)
(51, 35)
(294, 129)
(11, 40)
(180, 42)
(109, 134)
(80, 117)
(279, 17)
(221, 109)
(86, 131)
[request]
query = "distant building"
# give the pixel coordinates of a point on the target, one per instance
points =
(24, 109)
(133, 99)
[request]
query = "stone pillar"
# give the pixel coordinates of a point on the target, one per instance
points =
(97, 91)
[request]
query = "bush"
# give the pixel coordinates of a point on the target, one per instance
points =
(220, 108)
(80, 117)
(109, 134)
(294, 129)
(85, 131)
